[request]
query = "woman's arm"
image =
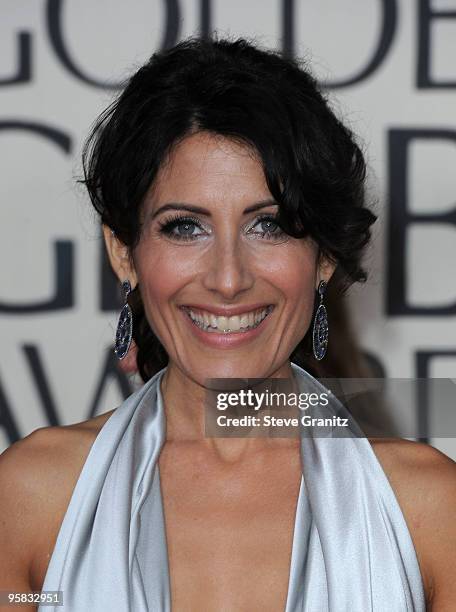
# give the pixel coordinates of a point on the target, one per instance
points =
(37, 478)
(438, 511)
(19, 482)
(424, 482)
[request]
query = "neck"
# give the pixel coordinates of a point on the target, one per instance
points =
(184, 404)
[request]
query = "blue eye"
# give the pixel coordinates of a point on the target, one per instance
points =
(185, 226)
(270, 227)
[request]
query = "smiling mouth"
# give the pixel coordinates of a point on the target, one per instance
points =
(211, 323)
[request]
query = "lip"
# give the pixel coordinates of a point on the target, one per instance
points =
(227, 339)
(226, 311)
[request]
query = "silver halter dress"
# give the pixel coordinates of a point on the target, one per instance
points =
(351, 551)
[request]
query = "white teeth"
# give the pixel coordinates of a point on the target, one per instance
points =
(235, 323)
(213, 323)
(222, 323)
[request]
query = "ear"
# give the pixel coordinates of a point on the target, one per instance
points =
(326, 267)
(119, 257)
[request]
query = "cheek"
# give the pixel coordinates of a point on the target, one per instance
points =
(294, 273)
(160, 277)
(160, 274)
(297, 283)
(295, 277)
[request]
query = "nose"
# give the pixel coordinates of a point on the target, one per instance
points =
(228, 271)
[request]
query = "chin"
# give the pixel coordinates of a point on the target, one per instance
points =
(227, 367)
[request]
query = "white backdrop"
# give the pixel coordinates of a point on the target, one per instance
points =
(390, 67)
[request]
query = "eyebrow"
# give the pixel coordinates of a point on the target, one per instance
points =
(203, 211)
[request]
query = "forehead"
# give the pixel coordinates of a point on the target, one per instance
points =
(207, 168)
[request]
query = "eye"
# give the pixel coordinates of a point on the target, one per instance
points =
(269, 228)
(181, 228)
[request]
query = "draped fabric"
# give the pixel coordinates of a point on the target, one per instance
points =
(352, 550)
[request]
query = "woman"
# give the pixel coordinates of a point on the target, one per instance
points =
(228, 193)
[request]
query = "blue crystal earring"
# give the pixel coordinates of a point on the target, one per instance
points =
(124, 331)
(320, 331)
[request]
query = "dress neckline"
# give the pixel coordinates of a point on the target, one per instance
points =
(299, 522)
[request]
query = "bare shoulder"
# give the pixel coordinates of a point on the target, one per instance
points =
(37, 459)
(424, 482)
(37, 477)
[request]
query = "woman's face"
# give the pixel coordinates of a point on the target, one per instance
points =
(205, 254)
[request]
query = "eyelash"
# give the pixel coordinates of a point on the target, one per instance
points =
(167, 226)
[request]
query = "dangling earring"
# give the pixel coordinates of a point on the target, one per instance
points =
(320, 326)
(124, 331)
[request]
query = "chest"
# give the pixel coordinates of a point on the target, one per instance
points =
(229, 537)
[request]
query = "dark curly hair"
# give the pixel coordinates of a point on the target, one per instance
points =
(313, 167)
